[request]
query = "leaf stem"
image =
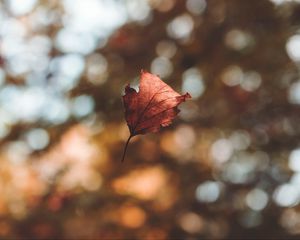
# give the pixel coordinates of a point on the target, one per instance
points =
(125, 149)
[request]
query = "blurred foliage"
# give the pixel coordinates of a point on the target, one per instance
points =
(229, 166)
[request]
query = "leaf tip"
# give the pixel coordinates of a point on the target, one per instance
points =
(187, 95)
(129, 89)
(143, 71)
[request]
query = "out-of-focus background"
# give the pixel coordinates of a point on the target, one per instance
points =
(229, 166)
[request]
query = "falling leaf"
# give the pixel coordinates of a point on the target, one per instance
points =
(153, 107)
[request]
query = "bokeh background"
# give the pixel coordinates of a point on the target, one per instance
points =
(229, 166)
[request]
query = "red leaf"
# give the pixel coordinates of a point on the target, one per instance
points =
(153, 107)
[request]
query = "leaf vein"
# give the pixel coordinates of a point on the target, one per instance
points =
(153, 116)
(142, 113)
